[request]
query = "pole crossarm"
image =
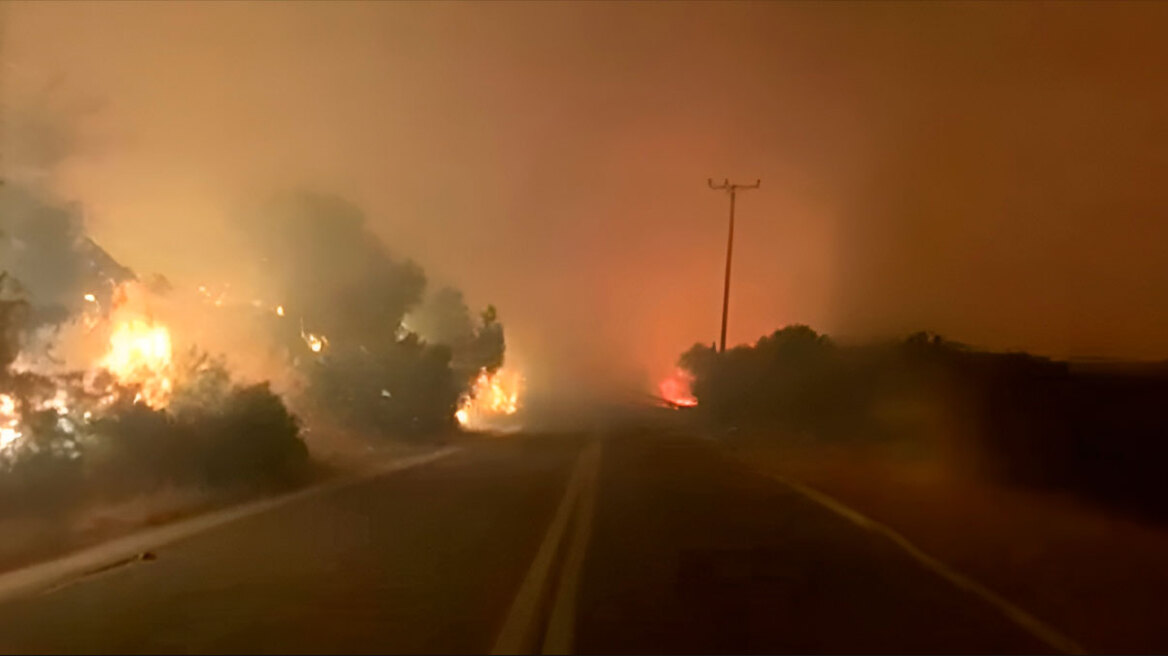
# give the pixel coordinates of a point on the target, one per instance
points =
(725, 185)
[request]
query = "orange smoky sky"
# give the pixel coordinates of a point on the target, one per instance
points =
(992, 171)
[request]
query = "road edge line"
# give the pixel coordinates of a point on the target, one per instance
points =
(62, 571)
(1031, 624)
(561, 627)
(522, 616)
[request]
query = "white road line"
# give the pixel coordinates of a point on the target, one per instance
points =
(58, 573)
(1020, 617)
(518, 634)
(561, 628)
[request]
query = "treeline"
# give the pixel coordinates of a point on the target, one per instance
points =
(373, 372)
(63, 446)
(216, 436)
(1100, 430)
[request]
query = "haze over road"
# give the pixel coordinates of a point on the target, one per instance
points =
(626, 540)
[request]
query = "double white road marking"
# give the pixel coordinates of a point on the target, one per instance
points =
(521, 633)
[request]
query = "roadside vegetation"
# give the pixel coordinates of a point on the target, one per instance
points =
(1099, 431)
(76, 439)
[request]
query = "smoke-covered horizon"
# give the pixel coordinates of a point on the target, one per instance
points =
(551, 160)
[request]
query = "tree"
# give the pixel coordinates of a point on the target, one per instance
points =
(13, 314)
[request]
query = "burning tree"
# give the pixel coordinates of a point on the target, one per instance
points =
(342, 317)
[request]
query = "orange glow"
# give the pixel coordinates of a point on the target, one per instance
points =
(493, 395)
(9, 422)
(140, 355)
(676, 389)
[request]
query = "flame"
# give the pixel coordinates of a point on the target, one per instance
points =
(140, 355)
(280, 310)
(676, 389)
(493, 395)
(9, 422)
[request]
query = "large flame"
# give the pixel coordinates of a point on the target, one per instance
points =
(9, 422)
(493, 395)
(138, 349)
(140, 355)
(676, 389)
(115, 348)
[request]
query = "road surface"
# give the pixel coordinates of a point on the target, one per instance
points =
(622, 541)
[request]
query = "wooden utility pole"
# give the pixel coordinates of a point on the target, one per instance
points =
(731, 189)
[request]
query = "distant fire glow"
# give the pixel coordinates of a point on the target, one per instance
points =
(493, 395)
(676, 389)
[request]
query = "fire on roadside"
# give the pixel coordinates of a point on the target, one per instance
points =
(127, 350)
(493, 395)
(676, 389)
(140, 354)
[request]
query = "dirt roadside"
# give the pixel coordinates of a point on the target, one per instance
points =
(1100, 578)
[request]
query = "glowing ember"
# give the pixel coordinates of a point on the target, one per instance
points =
(280, 310)
(90, 298)
(316, 343)
(140, 355)
(493, 395)
(676, 389)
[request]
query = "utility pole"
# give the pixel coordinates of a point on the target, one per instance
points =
(731, 189)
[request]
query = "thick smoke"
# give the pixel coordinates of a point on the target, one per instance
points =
(244, 378)
(330, 271)
(43, 245)
(84, 441)
(342, 301)
(445, 319)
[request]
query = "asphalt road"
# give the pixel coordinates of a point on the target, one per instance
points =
(620, 542)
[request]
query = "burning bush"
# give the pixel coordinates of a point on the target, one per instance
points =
(73, 439)
(329, 336)
(132, 449)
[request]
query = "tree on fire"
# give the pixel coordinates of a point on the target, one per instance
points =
(340, 283)
(239, 436)
(445, 319)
